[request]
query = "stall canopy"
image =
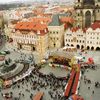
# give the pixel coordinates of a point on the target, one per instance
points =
(75, 97)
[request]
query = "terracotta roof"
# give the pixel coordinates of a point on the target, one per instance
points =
(74, 29)
(45, 20)
(30, 26)
(67, 19)
(18, 13)
(95, 25)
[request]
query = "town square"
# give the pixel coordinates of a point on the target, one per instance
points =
(50, 50)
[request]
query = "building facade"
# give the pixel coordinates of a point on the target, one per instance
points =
(31, 37)
(75, 38)
(56, 33)
(84, 39)
(86, 12)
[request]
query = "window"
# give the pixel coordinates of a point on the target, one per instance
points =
(69, 40)
(80, 41)
(97, 37)
(87, 41)
(83, 41)
(78, 0)
(78, 15)
(66, 40)
(57, 32)
(90, 42)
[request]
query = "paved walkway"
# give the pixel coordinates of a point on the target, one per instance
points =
(93, 75)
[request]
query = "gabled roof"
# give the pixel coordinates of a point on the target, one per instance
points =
(55, 21)
(30, 26)
(95, 25)
(67, 19)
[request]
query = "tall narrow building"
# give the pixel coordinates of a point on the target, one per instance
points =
(56, 33)
(86, 12)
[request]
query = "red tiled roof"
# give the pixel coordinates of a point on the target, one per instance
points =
(67, 19)
(30, 26)
(95, 25)
(74, 29)
(84, 30)
(40, 19)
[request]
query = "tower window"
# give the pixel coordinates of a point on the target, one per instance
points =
(78, 0)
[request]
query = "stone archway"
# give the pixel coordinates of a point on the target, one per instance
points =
(92, 48)
(78, 46)
(33, 48)
(67, 44)
(72, 45)
(98, 49)
(82, 47)
(88, 47)
(87, 19)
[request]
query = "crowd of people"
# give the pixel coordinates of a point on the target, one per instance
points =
(88, 80)
(37, 82)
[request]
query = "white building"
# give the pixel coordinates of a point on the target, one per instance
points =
(75, 38)
(84, 39)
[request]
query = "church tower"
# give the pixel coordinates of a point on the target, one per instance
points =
(86, 12)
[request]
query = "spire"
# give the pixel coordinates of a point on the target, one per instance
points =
(55, 21)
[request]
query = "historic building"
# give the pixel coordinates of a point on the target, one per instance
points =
(86, 12)
(31, 37)
(56, 33)
(93, 37)
(84, 38)
(75, 38)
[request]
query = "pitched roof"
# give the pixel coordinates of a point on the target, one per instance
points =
(45, 20)
(55, 21)
(95, 25)
(67, 19)
(30, 26)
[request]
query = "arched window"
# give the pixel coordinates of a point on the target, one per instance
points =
(87, 19)
(78, 47)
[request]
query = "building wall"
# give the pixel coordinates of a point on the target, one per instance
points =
(74, 38)
(93, 38)
(31, 42)
(81, 10)
(56, 36)
(89, 40)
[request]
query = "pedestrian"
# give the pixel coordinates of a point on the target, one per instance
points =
(93, 92)
(89, 88)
